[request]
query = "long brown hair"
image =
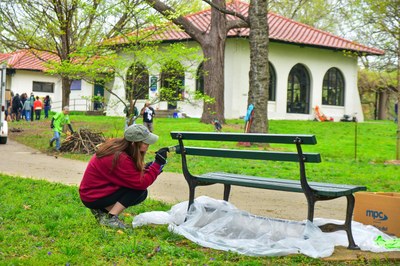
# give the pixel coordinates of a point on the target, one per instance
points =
(119, 145)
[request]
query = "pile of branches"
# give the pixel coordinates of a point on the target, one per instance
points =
(16, 129)
(82, 141)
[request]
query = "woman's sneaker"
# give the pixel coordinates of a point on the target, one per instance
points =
(99, 214)
(113, 222)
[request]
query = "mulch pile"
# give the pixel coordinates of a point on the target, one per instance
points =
(82, 141)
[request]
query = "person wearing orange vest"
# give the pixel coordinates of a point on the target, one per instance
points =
(37, 106)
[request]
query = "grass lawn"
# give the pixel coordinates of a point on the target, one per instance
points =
(43, 223)
(342, 161)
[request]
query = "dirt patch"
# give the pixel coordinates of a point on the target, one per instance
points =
(393, 162)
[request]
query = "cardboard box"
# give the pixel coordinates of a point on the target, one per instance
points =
(379, 209)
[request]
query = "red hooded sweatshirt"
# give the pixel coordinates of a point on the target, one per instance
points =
(99, 180)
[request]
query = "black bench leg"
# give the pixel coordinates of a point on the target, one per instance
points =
(331, 227)
(227, 191)
(311, 207)
(347, 224)
(191, 199)
(191, 195)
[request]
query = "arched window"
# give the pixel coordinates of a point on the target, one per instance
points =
(200, 78)
(272, 83)
(172, 83)
(298, 94)
(137, 82)
(333, 88)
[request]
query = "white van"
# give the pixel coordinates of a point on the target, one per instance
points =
(3, 120)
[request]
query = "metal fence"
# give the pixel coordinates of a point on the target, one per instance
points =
(77, 104)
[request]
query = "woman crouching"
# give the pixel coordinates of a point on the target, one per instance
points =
(117, 176)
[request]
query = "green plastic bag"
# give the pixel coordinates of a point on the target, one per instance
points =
(389, 244)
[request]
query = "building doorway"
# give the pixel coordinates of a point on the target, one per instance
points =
(298, 94)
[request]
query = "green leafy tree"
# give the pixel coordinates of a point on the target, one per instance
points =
(377, 23)
(66, 27)
(213, 45)
(124, 69)
(321, 14)
(377, 88)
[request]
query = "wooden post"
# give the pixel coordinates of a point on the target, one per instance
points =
(355, 141)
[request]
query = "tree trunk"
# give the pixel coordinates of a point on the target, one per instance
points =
(66, 90)
(213, 45)
(259, 68)
(382, 105)
(214, 84)
(214, 66)
(398, 102)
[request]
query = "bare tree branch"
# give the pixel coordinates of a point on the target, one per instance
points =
(229, 12)
(169, 12)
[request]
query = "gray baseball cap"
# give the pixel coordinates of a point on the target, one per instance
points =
(137, 133)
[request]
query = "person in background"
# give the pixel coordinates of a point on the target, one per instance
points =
(47, 106)
(16, 107)
(37, 106)
(23, 98)
(148, 114)
(26, 108)
(7, 111)
(8, 115)
(130, 116)
(32, 101)
(117, 176)
(57, 123)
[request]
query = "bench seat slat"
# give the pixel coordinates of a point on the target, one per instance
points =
(323, 189)
(248, 137)
(250, 154)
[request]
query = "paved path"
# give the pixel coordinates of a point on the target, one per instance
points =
(17, 159)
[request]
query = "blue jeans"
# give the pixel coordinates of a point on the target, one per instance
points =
(57, 139)
(28, 115)
(46, 111)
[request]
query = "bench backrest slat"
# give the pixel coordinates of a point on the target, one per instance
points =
(293, 140)
(249, 154)
(248, 137)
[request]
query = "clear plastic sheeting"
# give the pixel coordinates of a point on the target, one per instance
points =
(220, 225)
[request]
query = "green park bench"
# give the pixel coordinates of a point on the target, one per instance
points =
(314, 191)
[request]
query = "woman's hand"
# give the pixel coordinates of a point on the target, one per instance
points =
(161, 156)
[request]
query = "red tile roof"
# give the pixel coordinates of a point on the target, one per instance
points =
(281, 29)
(27, 59)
